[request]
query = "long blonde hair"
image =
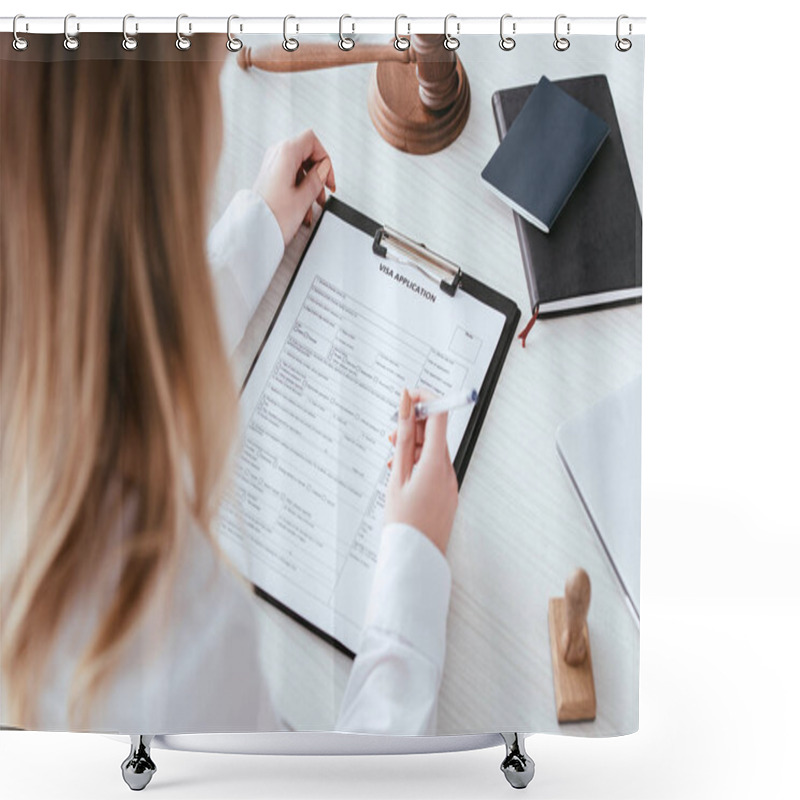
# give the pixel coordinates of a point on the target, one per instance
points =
(114, 383)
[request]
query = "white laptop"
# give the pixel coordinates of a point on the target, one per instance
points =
(602, 451)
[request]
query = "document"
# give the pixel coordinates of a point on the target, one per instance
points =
(304, 517)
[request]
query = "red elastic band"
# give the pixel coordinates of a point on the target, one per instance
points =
(527, 329)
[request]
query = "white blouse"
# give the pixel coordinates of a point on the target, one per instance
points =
(195, 665)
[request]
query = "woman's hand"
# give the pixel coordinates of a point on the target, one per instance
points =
(426, 498)
(293, 175)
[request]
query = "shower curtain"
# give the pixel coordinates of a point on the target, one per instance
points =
(433, 257)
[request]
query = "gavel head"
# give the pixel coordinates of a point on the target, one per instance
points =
(418, 98)
(437, 73)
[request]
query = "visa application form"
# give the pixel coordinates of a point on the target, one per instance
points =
(303, 519)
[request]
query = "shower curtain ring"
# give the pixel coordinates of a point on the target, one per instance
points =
(345, 42)
(233, 44)
(561, 43)
(623, 45)
(451, 42)
(128, 42)
(18, 42)
(289, 44)
(401, 42)
(507, 42)
(181, 42)
(71, 42)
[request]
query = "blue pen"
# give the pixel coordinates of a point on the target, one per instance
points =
(440, 405)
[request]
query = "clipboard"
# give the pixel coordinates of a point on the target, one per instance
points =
(392, 245)
(451, 280)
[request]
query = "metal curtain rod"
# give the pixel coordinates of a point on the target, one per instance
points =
(323, 25)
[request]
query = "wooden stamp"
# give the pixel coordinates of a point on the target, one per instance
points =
(571, 654)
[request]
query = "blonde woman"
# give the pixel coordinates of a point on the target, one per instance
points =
(119, 612)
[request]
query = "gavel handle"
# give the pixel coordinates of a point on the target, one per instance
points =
(273, 58)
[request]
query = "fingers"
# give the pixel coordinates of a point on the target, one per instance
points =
(313, 186)
(415, 396)
(314, 171)
(422, 394)
(417, 453)
(435, 444)
(406, 439)
(307, 147)
(420, 433)
(307, 166)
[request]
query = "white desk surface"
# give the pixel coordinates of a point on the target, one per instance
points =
(520, 530)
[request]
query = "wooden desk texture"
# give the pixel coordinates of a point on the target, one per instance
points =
(520, 530)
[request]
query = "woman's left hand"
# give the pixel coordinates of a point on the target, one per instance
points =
(293, 174)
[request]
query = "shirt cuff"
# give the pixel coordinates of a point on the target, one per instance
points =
(248, 241)
(410, 593)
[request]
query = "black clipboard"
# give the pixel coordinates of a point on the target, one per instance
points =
(463, 282)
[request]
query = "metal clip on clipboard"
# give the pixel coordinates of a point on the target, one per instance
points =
(417, 255)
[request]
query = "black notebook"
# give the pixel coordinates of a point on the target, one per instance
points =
(542, 157)
(593, 256)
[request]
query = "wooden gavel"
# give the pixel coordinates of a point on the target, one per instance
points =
(418, 98)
